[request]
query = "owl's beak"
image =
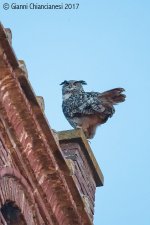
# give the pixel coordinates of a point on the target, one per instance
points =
(70, 86)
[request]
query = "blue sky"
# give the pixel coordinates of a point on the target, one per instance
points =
(107, 44)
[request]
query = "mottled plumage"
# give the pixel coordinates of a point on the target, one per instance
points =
(88, 110)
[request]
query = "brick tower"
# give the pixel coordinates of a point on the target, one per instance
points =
(46, 178)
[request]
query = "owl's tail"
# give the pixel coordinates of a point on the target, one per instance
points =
(113, 96)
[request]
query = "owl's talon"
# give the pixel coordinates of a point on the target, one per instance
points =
(78, 127)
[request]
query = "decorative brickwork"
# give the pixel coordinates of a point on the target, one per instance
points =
(82, 174)
(36, 182)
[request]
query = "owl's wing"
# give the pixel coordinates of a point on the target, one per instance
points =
(103, 103)
(92, 103)
(85, 103)
(89, 103)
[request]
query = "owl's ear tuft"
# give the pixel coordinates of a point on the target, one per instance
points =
(82, 82)
(64, 82)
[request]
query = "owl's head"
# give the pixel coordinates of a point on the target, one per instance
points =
(72, 86)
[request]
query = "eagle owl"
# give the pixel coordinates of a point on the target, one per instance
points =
(88, 110)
